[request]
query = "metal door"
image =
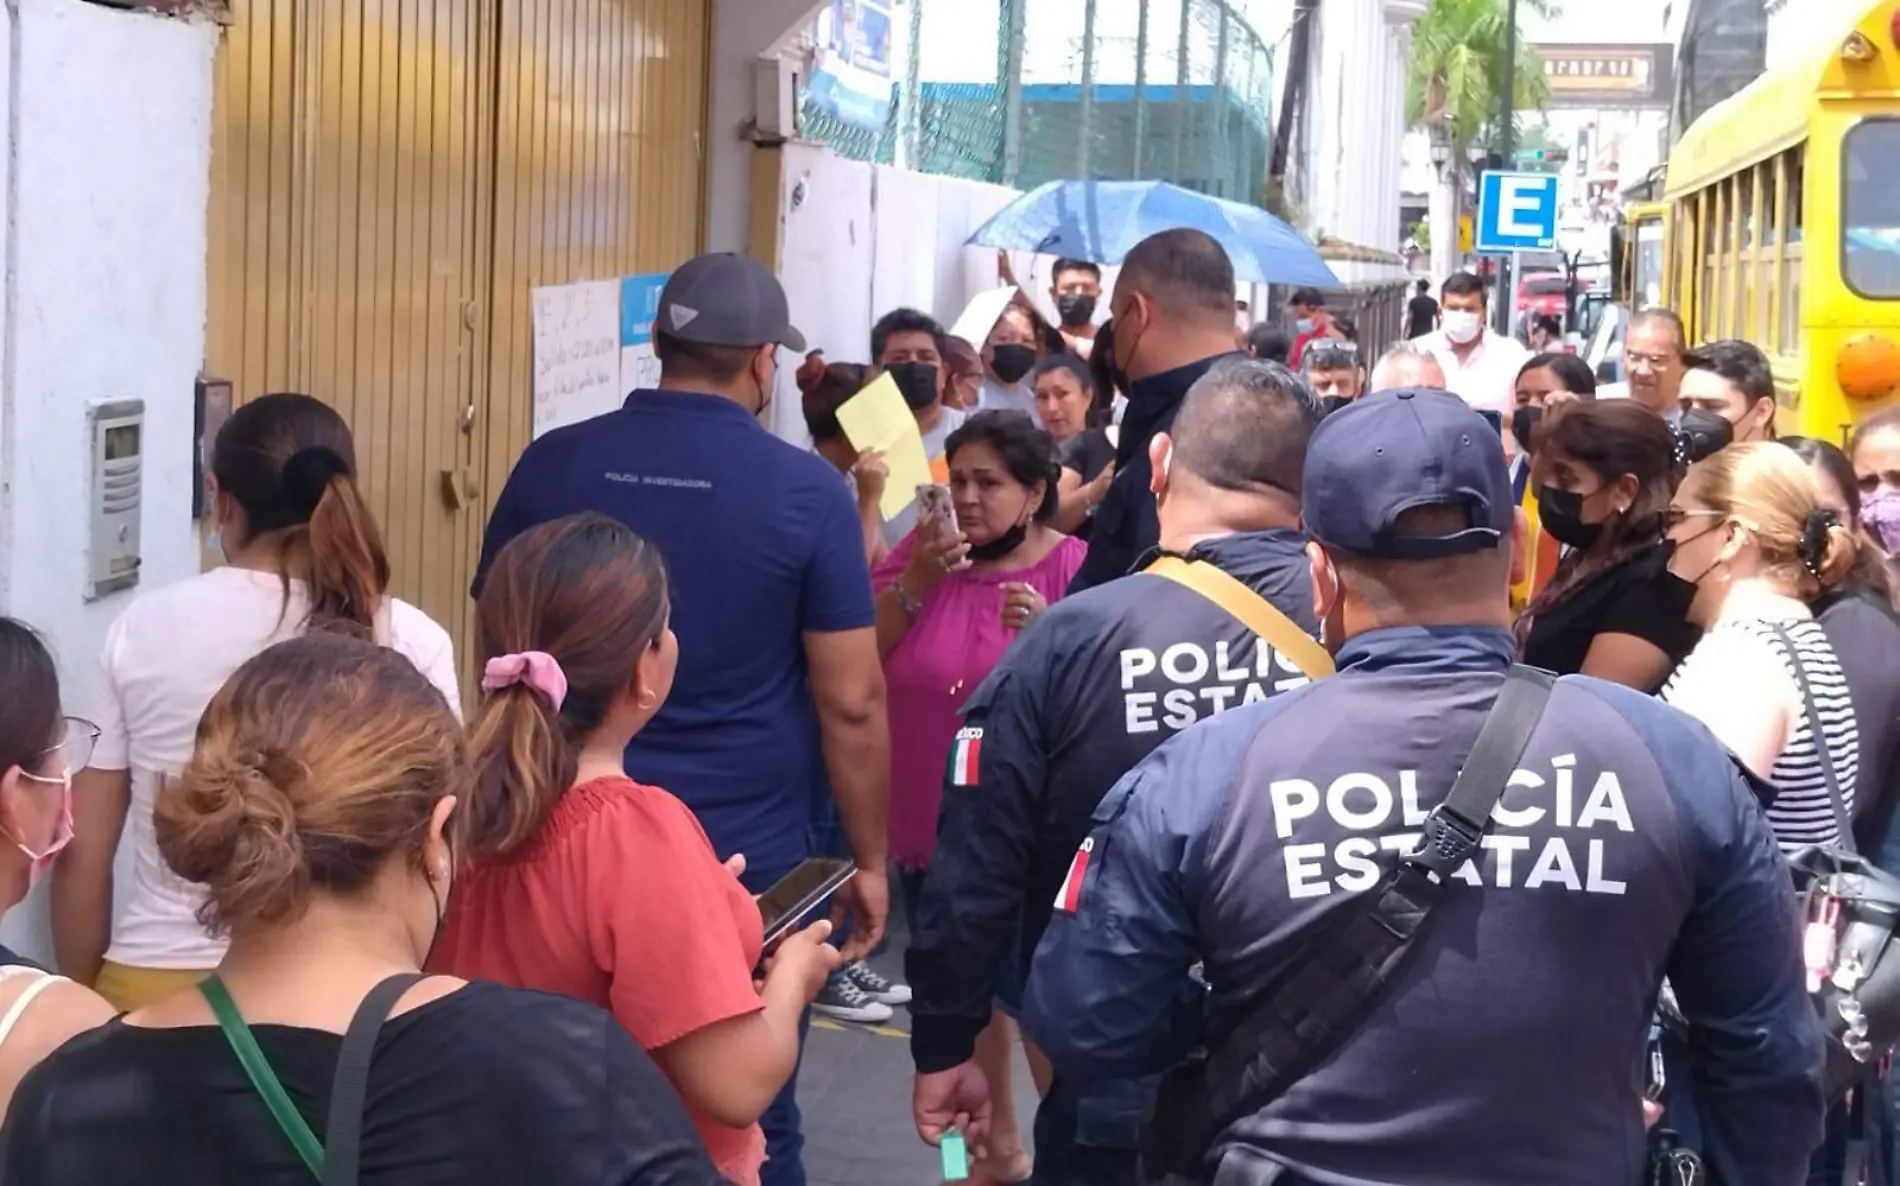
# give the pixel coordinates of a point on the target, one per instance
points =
(390, 177)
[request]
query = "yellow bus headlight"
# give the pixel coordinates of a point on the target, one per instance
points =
(1868, 367)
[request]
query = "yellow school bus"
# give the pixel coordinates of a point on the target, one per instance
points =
(1780, 224)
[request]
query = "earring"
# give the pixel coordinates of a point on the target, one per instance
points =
(442, 872)
(646, 700)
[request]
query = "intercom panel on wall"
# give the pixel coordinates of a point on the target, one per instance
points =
(116, 495)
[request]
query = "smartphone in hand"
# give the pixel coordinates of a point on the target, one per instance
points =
(934, 506)
(795, 899)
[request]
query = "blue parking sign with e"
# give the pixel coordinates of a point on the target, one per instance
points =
(1516, 212)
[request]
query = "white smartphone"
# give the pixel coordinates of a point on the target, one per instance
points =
(934, 505)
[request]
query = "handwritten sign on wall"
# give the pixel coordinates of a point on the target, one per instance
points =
(576, 352)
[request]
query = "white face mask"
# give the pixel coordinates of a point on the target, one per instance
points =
(1462, 326)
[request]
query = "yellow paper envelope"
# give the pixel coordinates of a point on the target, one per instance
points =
(878, 418)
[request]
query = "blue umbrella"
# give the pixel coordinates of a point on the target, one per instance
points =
(1101, 221)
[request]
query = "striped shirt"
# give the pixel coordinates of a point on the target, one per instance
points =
(1802, 813)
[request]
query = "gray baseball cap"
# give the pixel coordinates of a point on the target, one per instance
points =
(727, 300)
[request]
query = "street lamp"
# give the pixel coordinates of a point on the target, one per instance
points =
(1475, 153)
(1441, 149)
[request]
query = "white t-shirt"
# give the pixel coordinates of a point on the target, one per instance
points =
(1488, 379)
(164, 658)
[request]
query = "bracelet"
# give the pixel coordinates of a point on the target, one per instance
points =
(910, 605)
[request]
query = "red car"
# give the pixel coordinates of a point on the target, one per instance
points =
(1543, 292)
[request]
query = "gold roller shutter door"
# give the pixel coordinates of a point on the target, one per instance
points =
(391, 177)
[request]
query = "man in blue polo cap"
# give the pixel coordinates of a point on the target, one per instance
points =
(1506, 1046)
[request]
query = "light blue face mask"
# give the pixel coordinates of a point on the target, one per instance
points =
(1304, 325)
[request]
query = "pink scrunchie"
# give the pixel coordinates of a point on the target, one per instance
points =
(534, 668)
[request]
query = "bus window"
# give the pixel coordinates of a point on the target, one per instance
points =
(1870, 253)
(1647, 290)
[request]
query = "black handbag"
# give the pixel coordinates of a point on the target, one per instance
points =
(1852, 909)
(1298, 1020)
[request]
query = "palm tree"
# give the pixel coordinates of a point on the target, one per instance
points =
(1457, 76)
(1455, 88)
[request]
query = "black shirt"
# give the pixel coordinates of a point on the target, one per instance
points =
(1422, 311)
(488, 1086)
(1087, 453)
(1125, 525)
(1866, 639)
(1636, 596)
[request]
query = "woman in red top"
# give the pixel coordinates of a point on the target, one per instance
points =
(587, 883)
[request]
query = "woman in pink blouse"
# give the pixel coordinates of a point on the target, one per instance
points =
(950, 597)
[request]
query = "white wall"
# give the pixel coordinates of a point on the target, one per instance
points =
(108, 117)
(858, 240)
(743, 31)
(1357, 103)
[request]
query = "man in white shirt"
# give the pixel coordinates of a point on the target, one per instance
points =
(1480, 365)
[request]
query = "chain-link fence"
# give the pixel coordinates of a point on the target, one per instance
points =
(1020, 92)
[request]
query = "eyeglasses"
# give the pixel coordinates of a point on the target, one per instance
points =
(78, 737)
(1654, 362)
(1675, 517)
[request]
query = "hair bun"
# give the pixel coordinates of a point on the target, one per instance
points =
(228, 823)
(307, 475)
(1812, 546)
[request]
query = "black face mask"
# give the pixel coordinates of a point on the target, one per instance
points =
(1561, 513)
(1012, 362)
(1524, 425)
(1698, 434)
(1328, 404)
(1686, 587)
(1076, 308)
(916, 381)
(1001, 546)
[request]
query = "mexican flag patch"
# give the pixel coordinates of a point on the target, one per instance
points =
(965, 754)
(1069, 897)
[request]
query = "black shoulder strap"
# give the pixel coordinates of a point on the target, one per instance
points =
(1823, 752)
(343, 1136)
(1331, 987)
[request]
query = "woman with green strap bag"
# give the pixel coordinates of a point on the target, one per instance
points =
(318, 813)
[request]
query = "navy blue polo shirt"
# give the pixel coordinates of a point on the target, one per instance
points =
(762, 545)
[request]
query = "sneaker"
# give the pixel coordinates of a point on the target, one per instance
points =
(842, 1000)
(877, 987)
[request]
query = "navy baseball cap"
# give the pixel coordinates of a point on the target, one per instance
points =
(725, 299)
(1385, 454)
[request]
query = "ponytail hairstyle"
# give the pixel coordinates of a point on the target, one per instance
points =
(1770, 491)
(588, 593)
(1832, 468)
(289, 462)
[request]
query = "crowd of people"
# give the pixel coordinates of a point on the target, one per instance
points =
(1152, 724)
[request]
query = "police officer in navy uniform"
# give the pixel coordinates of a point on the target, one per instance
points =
(1627, 846)
(1090, 689)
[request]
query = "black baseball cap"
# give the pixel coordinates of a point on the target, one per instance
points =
(726, 299)
(1385, 454)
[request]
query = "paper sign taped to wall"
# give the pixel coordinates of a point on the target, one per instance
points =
(576, 352)
(639, 305)
(982, 315)
(878, 418)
